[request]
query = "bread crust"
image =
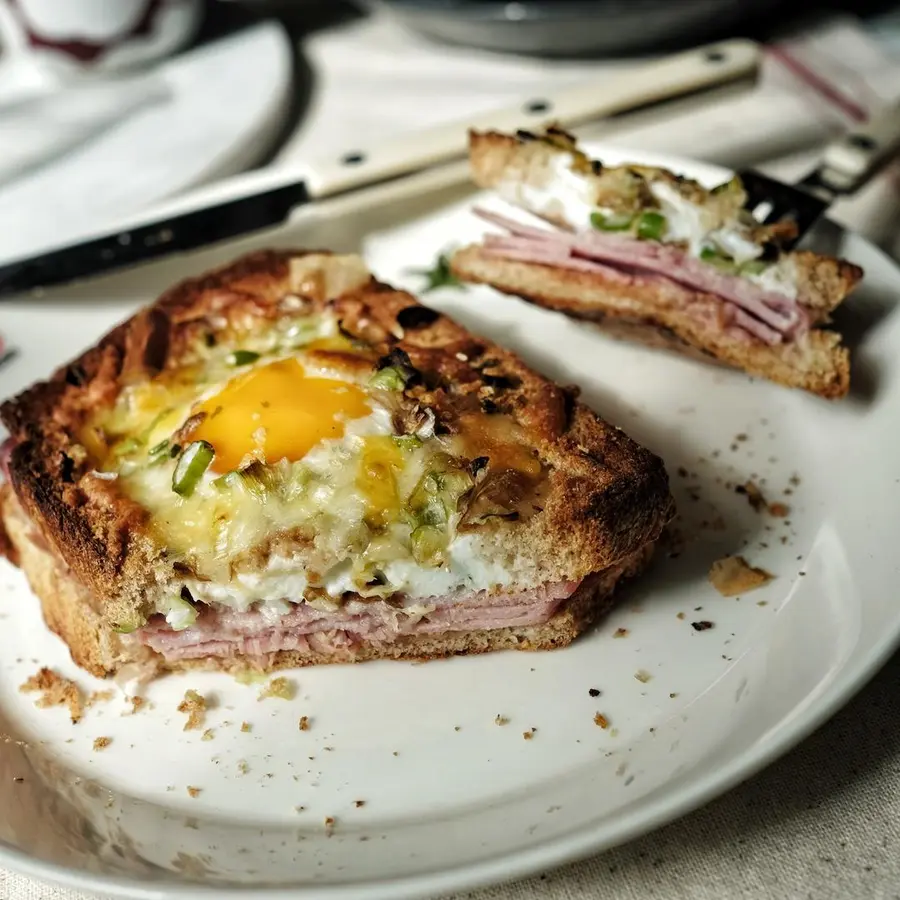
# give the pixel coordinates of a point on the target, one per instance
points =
(639, 312)
(608, 497)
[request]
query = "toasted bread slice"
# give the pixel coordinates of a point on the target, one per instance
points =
(656, 306)
(139, 556)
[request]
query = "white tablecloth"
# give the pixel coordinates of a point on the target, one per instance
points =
(824, 822)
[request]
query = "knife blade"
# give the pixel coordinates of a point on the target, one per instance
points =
(265, 199)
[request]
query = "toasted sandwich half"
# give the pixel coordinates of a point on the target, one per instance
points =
(652, 256)
(286, 462)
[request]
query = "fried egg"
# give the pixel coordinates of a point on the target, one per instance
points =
(276, 412)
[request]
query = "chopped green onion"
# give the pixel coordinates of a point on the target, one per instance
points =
(131, 624)
(228, 481)
(651, 226)
(242, 357)
(389, 378)
(718, 259)
(179, 613)
(611, 221)
(408, 442)
(754, 267)
(256, 478)
(303, 331)
(193, 462)
(158, 452)
(129, 445)
(429, 545)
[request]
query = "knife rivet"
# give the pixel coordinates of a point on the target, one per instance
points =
(124, 239)
(715, 56)
(538, 106)
(353, 159)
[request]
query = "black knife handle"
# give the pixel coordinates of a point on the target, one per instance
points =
(163, 237)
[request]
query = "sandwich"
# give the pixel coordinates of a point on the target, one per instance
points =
(286, 462)
(655, 257)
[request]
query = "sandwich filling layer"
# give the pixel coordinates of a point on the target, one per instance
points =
(224, 633)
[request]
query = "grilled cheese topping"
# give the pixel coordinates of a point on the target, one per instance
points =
(277, 466)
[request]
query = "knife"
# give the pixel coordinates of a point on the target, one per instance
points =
(263, 199)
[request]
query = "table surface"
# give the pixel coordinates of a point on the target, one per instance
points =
(824, 821)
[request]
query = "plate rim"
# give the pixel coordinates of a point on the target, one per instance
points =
(693, 793)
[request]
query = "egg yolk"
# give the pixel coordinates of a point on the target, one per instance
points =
(276, 412)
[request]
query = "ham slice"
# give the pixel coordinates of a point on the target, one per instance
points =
(225, 633)
(767, 315)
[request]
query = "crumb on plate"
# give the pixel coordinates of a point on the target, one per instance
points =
(193, 791)
(303, 725)
(194, 705)
(101, 743)
(733, 575)
(601, 721)
(280, 688)
(56, 691)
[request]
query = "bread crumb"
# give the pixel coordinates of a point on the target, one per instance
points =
(457, 728)
(754, 495)
(56, 691)
(243, 768)
(99, 697)
(208, 735)
(299, 809)
(101, 743)
(193, 791)
(779, 510)
(329, 826)
(601, 721)
(672, 696)
(280, 688)
(246, 726)
(195, 706)
(621, 632)
(593, 692)
(732, 575)
(528, 735)
(137, 703)
(643, 676)
(679, 615)
(501, 720)
(304, 723)
(705, 625)
(359, 803)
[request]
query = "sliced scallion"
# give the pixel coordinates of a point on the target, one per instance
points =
(408, 442)
(611, 221)
(429, 545)
(242, 357)
(718, 259)
(389, 378)
(192, 463)
(651, 226)
(754, 267)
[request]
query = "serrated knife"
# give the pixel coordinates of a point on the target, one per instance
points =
(264, 199)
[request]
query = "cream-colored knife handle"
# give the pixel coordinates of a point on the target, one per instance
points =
(855, 157)
(671, 76)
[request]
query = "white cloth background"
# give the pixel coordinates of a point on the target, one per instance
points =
(824, 822)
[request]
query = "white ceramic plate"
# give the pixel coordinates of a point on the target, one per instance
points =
(452, 799)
